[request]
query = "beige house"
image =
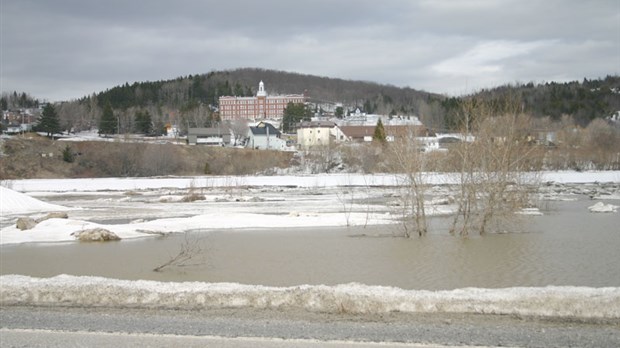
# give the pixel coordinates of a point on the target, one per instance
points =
(318, 133)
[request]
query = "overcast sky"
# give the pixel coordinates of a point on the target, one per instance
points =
(65, 49)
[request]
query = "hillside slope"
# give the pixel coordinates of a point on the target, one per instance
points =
(191, 101)
(34, 156)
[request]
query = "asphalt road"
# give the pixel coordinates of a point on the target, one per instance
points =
(99, 327)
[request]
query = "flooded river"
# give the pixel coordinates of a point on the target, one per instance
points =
(566, 246)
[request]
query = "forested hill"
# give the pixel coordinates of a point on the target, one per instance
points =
(585, 100)
(207, 88)
(191, 100)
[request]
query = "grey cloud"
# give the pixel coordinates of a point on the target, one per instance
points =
(68, 48)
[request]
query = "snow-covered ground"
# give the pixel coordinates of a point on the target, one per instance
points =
(310, 181)
(141, 207)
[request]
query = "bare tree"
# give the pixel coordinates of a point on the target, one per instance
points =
(603, 145)
(239, 129)
(497, 170)
(409, 160)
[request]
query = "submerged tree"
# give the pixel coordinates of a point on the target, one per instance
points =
(497, 167)
(410, 163)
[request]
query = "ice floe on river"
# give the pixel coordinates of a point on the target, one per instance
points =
(323, 208)
(66, 290)
(601, 207)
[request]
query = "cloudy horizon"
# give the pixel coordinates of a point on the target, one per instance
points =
(66, 49)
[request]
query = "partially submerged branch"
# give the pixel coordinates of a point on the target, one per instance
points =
(190, 249)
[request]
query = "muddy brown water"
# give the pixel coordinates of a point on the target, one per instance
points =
(566, 246)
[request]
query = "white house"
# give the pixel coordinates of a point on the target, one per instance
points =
(265, 136)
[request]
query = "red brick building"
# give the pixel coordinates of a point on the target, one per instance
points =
(260, 107)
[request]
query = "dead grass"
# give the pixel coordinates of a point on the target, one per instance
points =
(29, 157)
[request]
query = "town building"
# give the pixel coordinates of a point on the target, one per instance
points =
(260, 107)
(208, 136)
(19, 120)
(264, 136)
(318, 133)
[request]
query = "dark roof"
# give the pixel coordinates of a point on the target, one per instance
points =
(396, 131)
(261, 129)
(206, 131)
(317, 124)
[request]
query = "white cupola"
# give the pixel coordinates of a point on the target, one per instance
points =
(261, 90)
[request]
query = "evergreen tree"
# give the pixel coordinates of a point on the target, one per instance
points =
(238, 90)
(339, 112)
(108, 123)
(49, 121)
(68, 155)
(293, 114)
(143, 122)
(379, 135)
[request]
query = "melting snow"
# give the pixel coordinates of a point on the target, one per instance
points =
(601, 207)
(65, 290)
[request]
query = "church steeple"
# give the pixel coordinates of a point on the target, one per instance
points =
(261, 90)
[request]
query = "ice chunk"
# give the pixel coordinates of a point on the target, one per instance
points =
(601, 207)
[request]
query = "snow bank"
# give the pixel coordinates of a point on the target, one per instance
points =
(12, 202)
(65, 290)
(318, 180)
(56, 230)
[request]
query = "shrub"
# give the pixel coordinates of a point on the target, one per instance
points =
(68, 155)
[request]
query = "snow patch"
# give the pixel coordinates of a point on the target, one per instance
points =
(530, 212)
(61, 230)
(551, 301)
(13, 202)
(601, 207)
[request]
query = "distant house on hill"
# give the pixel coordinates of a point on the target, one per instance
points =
(264, 136)
(318, 133)
(393, 133)
(208, 136)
